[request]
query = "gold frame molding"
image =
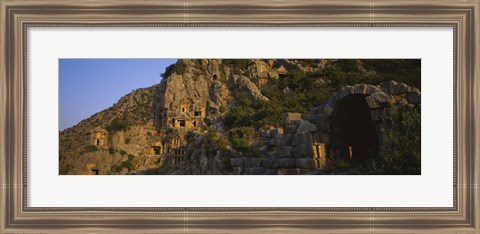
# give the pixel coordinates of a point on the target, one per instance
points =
(17, 16)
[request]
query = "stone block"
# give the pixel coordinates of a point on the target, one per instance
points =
(257, 171)
(283, 152)
(394, 88)
(237, 162)
(265, 134)
(301, 138)
(342, 93)
(271, 172)
(239, 170)
(316, 172)
(263, 148)
(400, 89)
(308, 117)
(290, 129)
(303, 171)
(372, 89)
(305, 163)
(306, 126)
(288, 171)
(328, 109)
(414, 90)
(388, 86)
(276, 132)
(413, 98)
(332, 101)
(256, 162)
(248, 162)
(378, 100)
(360, 89)
(288, 139)
(319, 109)
(284, 163)
(302, 151)
(297, 122)
(289, 117)
(319, 120)
(277, 141)
(267, 162)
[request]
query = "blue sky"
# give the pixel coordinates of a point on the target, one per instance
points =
(87, 86)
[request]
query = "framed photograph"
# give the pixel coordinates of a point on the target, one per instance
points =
(239, 116)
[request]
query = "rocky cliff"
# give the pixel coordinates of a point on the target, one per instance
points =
(129, 124)
(247, 116)
(205, 83)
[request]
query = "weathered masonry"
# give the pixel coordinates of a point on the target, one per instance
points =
(170, 150)
(189, 116)
(98, 136)
(347, 127)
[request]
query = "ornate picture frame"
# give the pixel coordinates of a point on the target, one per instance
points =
(17, 16)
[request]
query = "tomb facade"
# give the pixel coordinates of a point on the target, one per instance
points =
(98, 136)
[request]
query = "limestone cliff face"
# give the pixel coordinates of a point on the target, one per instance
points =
(141, 126)
(206, 84)
(87, 149)
(180, 125)
(194, 96)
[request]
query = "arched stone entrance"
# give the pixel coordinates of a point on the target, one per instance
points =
(353, 129)
(353, 121)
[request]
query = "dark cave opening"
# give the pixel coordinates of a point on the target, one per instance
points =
(355, 133)
(156, 150)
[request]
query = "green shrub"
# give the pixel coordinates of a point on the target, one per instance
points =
(345, 71)
(222, 109)
(238, 116)
(256, 81)
(407, 71)
(242, 139)
(125, 164)
(213, 141)
(238, 63)
(179, 67)
(111, 150)
(309, 90)
(305, 92)
(127, 140)
(400, 153)
(117, 124)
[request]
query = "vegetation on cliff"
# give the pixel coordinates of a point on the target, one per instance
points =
(236, 108)
(134, 110)
(300, 91)
(400, 153)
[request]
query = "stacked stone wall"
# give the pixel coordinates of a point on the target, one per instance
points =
(306, 142)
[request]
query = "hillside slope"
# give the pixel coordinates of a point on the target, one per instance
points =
(247, 116)
(127, 120)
